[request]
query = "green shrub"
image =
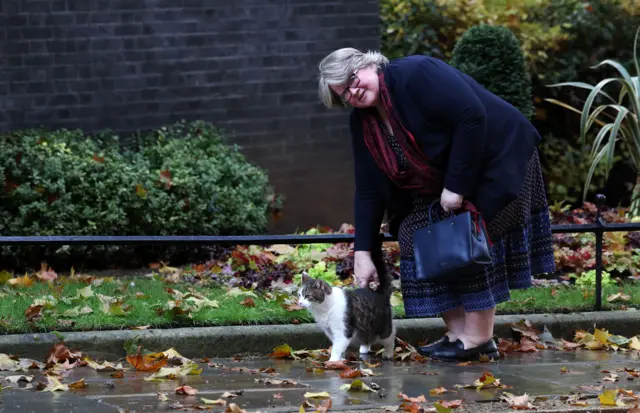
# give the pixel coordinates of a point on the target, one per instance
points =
(185, 180)
(198, 184)
(492, 56)
(64, 183)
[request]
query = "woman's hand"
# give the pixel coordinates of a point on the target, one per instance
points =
(363, 269)
(450, 201)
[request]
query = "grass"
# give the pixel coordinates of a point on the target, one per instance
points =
(145, 300)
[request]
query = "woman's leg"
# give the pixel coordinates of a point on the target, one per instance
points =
(455, 320)
(478, 328)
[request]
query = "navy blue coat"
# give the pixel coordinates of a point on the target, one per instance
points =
(480, 142)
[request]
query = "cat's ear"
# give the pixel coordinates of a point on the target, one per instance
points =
(305, 278)
(321, 284)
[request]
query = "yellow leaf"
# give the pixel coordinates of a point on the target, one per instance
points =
(310, 395)
(609, 398)
(634, 344)
(602, 336)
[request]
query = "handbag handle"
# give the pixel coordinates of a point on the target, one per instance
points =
(436, 203)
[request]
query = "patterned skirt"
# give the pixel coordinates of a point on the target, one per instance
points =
(522, 248)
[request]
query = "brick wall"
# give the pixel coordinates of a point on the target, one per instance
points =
(247, 65)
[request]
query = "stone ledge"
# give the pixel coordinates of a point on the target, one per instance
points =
(195, 342)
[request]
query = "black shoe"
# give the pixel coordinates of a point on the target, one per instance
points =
(429, 348)
(455, 351)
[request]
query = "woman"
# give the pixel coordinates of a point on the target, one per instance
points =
(422, 130)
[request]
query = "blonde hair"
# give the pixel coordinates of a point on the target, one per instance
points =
(336, 68)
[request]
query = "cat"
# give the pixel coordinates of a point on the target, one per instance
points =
(359, 316)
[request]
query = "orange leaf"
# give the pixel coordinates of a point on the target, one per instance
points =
(33, 313)
(336, 365)
(60, 353)
(419, 399)
(148, 362)
(186, 390)
(451, 404)
(527, 345)
(350, 373)
(282, 351)
(24, 281)
(119, 374)
(410, 407)
(248, 302)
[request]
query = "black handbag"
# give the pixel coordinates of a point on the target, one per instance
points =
(452, 247)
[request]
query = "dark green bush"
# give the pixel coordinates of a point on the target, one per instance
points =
(198, 184)
(492, 56)
(184, 180)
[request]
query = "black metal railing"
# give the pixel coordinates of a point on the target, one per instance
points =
(598, 228)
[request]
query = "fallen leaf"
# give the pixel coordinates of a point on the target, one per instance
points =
(282, 351)
(618, 297)
(450, 404)
(278, 382)
(321, 395)
(80, 384)
(162, 396)
(610, 398)
(487, 380)
(437, 391)
(53, 384)
(336, 365)
(117, 374)
(357, 385)
(517, 402)
(218, 402)
(46, 273)
(234, 408)
(60, 353)
(147, 362)
(186, 390)
(350, 373)
(419, 399)
(24, 281)
(33, 313)
(248, 302)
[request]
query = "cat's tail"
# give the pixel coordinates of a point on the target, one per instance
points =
(384, 275)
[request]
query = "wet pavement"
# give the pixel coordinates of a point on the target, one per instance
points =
(543, 373)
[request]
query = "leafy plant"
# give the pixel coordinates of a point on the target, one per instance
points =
(588, 279)
(185, 180)
(565, 166)
(492, 56)
(623, 114)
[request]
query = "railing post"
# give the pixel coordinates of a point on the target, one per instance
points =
(600, 201)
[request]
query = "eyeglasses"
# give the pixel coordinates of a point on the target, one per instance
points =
(352, 82)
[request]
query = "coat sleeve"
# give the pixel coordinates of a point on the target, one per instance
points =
(372, 187)
(445, 95)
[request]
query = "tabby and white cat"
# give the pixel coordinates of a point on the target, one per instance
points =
(360, 316)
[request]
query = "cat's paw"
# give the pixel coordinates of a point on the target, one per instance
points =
(387, 356)
(364, 349)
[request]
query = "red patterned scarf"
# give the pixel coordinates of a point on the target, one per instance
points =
(420, 176)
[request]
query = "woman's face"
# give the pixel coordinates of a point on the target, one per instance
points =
(363, 88)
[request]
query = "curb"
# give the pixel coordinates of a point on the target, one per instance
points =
(197, 342)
